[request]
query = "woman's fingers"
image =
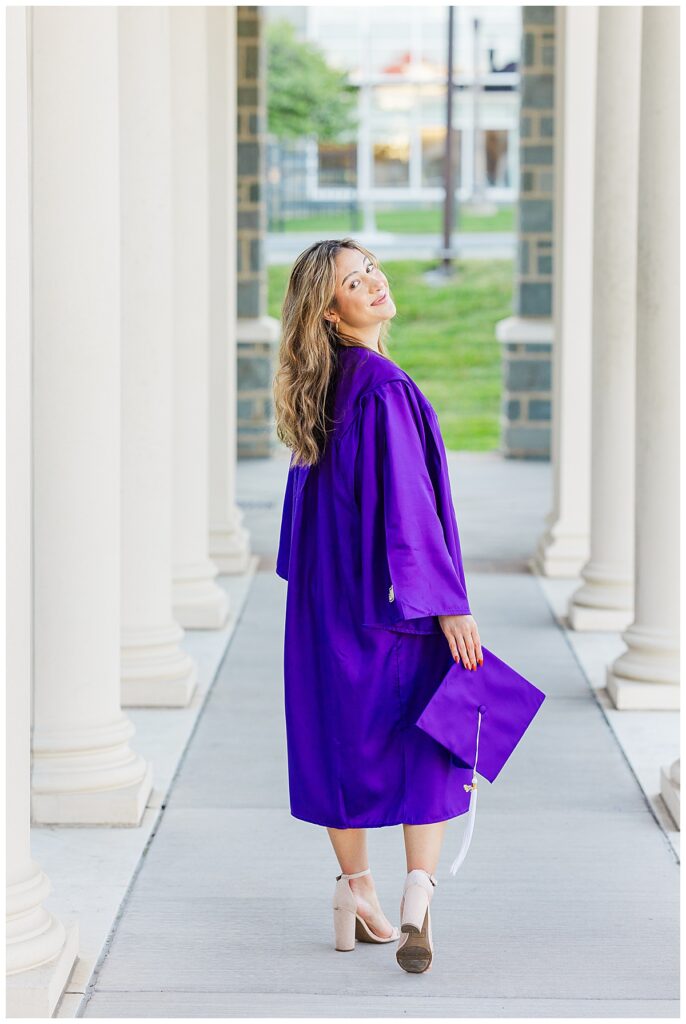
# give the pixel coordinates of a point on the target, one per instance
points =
(463, 640)
(462, 647)
(479, 652)
(471, 650)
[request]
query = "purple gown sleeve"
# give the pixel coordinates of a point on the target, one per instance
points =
(284, 552)
(410, 561)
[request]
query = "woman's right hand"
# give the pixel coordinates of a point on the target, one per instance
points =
(463, 638)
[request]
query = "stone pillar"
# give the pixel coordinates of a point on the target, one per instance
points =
(257, 333)
(198, 601)
(605, 599)
(155, 670)
(647, 674)
(84, 771)
(526, 336)
(40, 952)
(229, 539)
(564, 546)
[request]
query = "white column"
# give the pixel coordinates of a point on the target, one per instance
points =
(197, 600)
(40, 952)
(155, 670)
(229, 539)
(564, 547)
(647, 674)
(84, 770)
(605, 599)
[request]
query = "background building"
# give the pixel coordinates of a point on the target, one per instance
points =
(397, 59)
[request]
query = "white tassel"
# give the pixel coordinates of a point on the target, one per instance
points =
(471, 813)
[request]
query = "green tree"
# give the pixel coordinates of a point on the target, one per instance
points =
(304, 95)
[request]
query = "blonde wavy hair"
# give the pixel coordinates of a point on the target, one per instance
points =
(304, 383)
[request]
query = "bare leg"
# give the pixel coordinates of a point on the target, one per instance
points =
(350, 847)
(423, 845)
(422, 851)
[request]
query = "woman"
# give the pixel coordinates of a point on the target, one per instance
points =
(376, 603)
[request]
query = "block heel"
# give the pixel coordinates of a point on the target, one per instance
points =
(347, 923)
(344, 928)
(415, 948)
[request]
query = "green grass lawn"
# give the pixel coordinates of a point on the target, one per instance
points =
(445, 339)
(405, 221)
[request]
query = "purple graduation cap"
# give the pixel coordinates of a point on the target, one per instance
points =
(499, 703)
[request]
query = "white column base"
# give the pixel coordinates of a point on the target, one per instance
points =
(652, 656)
(90, 777)
(34, 936)
(601, 602)
(230, 546)
(197, 601)
(155, 671)
(628, 695)
(124, 805)
(670, 790)
(646, 676)
(602, 608)
(560, 554)
(37, 991)
(583, 619)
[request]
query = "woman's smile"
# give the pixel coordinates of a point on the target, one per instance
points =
(362, 303)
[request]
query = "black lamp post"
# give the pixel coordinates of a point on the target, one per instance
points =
(449, 171)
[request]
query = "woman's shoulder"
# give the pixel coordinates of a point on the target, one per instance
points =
(376, 377)
(370, 370)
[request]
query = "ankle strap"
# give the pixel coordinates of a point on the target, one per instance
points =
(432, 878)
(355, 874)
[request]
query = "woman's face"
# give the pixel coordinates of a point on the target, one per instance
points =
(363, 298)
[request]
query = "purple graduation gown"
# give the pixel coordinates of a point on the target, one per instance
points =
(370, 548)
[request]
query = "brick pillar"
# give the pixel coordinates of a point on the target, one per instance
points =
(257, 333)
(527, 335)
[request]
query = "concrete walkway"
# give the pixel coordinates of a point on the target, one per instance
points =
(567, 904)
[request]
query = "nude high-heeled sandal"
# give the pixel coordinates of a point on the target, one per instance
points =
(348, 925)
(415, 949)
